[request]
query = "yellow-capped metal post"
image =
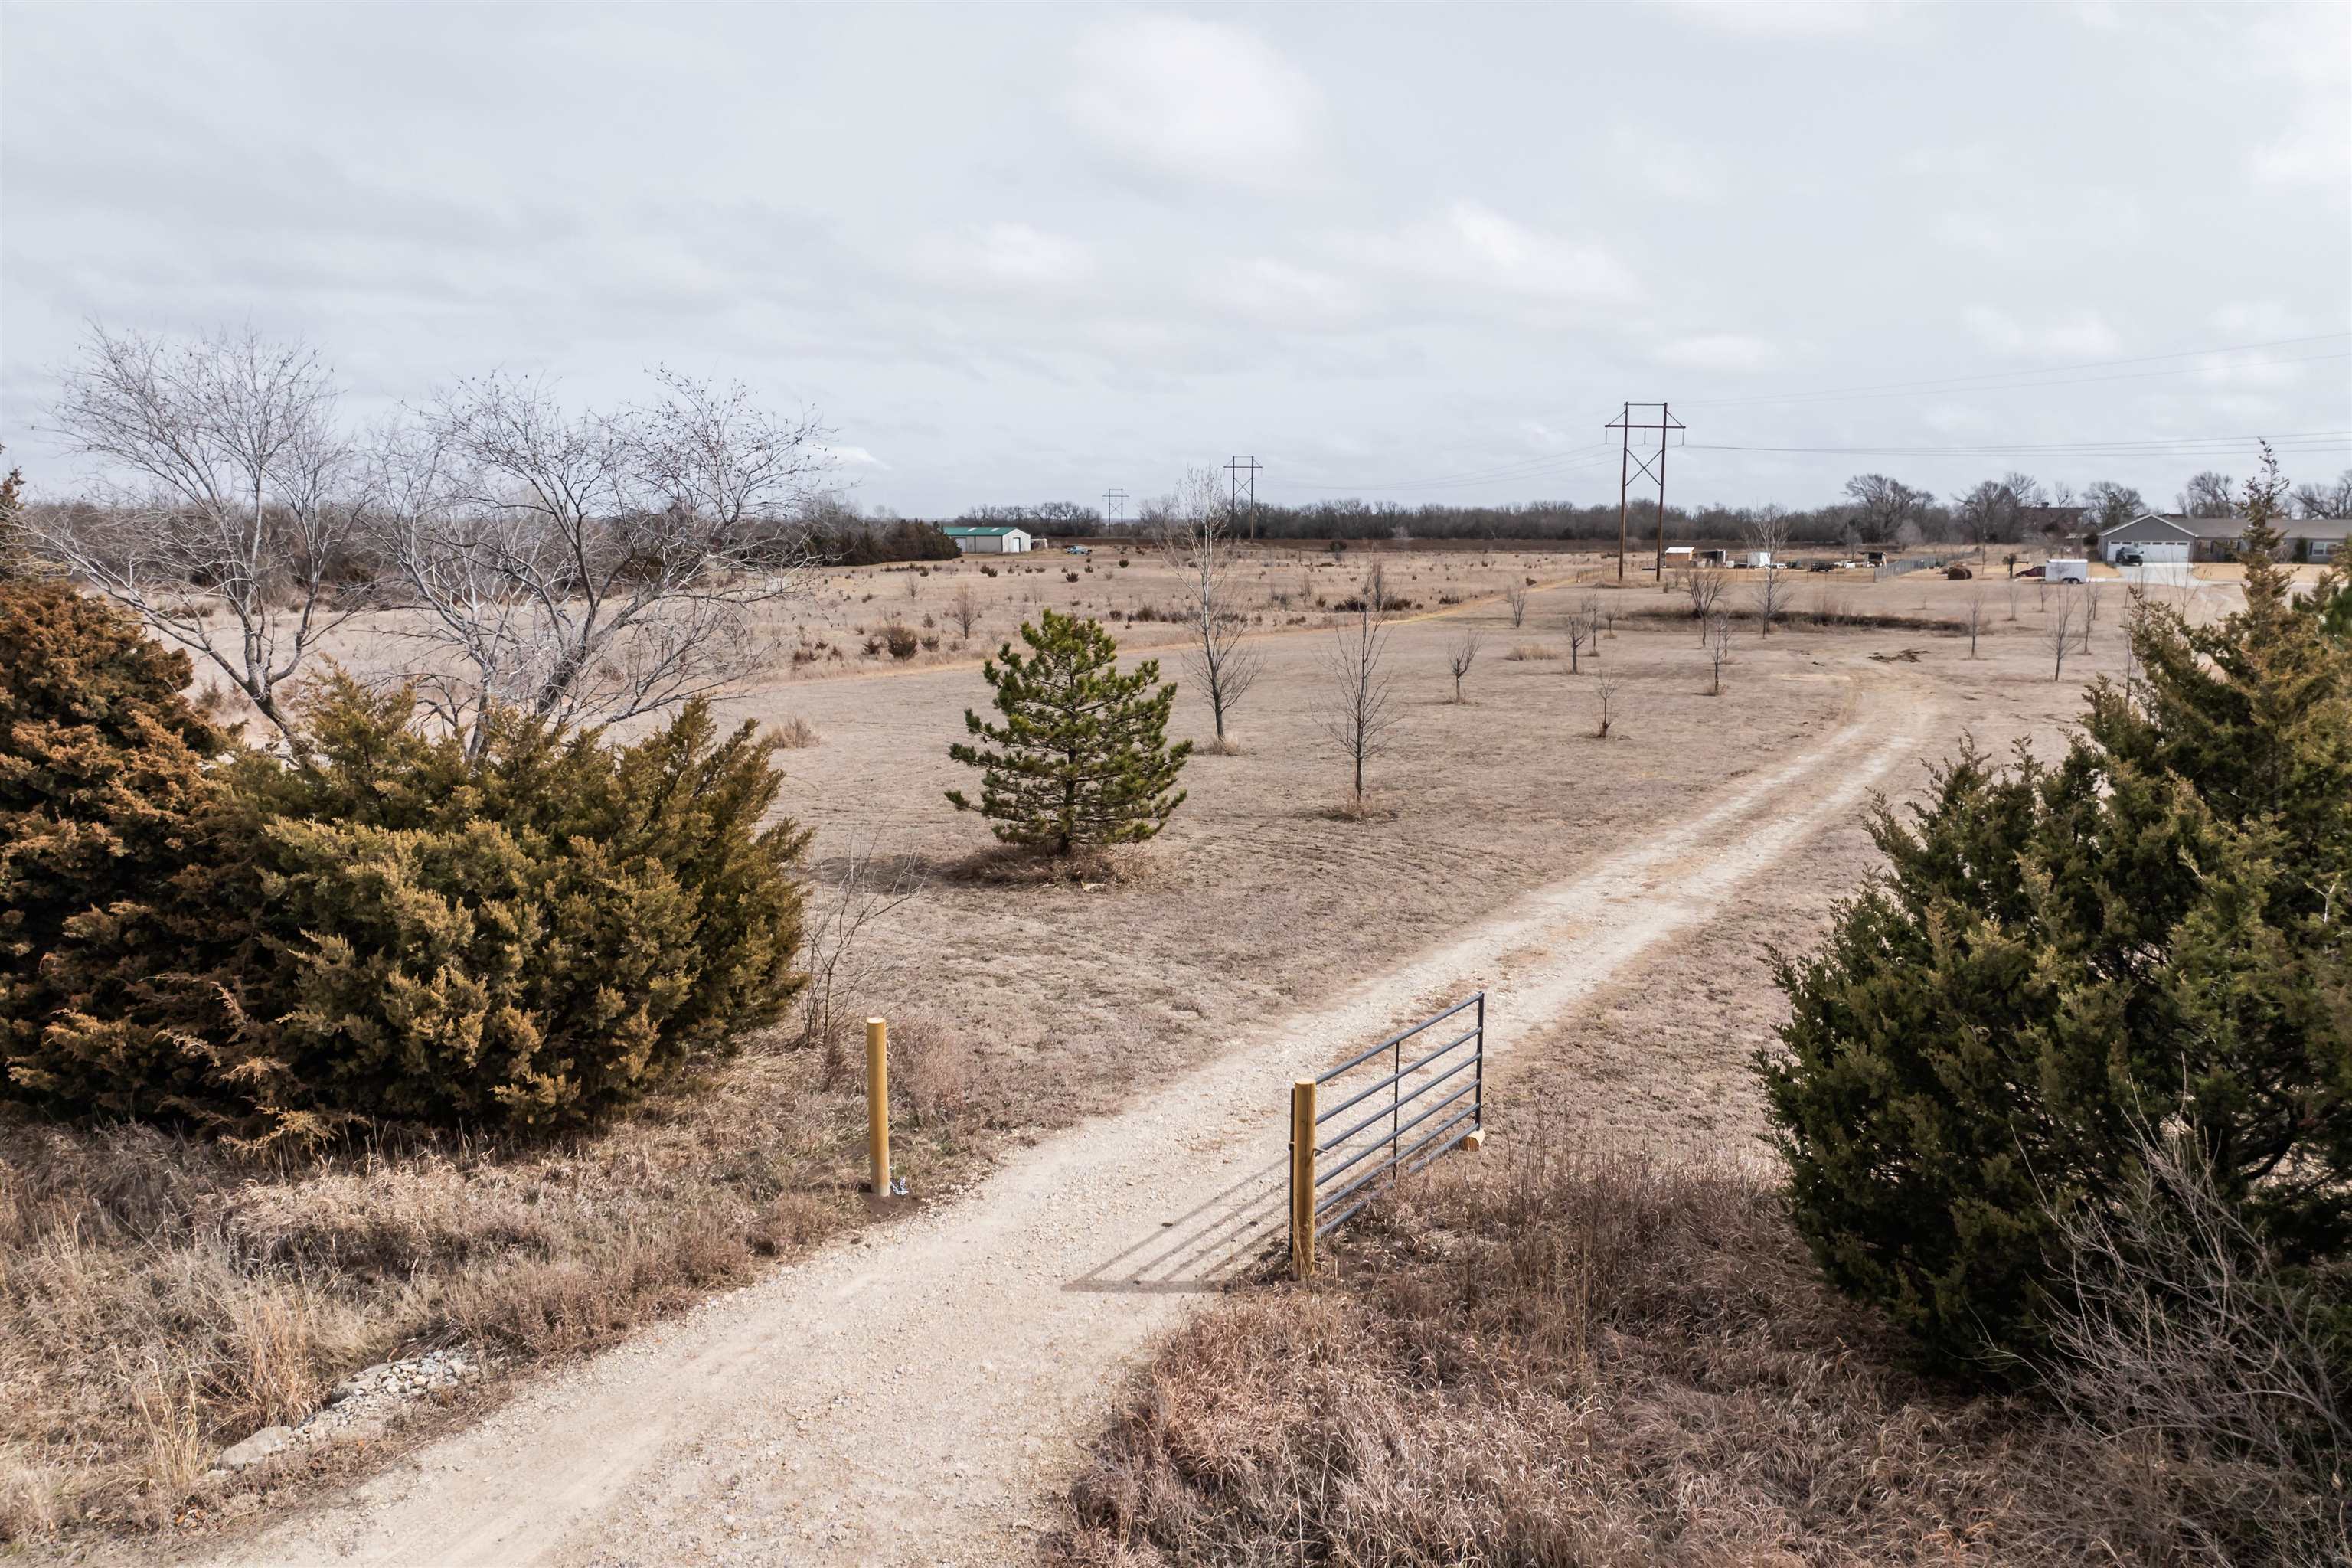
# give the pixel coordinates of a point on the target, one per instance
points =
(878, 1104)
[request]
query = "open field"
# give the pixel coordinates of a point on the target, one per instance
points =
(161, 1301)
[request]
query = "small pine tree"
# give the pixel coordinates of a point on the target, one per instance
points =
(1082, 758)
(2056, 957)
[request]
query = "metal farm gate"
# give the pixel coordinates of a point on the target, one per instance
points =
(1334, 1173)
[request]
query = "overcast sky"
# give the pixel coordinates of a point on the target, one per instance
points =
(1025, 253)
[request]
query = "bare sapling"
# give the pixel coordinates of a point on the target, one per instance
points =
(1199, 541)
(1768, 535)
(2090, 615)
(1460, 655)
(2059, 632)
(1581, 629)
(1975, 618)
(1357, 714)
(846, 974)
(2013, 597)
(1604, 691)
(1515, 599)
(589, 566)
(963, 608)
(233, 488)
(1770, 593)
(1718, 649)
(1702, 585)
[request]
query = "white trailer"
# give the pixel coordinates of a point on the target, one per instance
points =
(2064, 569)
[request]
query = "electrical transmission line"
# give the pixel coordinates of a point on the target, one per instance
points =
(1242, 472)
(1666, 427)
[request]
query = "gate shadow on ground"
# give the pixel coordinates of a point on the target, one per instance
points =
(1234, 1237)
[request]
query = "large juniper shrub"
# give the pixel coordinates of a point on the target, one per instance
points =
(103, 796)
(527, 931)
(2152, 931)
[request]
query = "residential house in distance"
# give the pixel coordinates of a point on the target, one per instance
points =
(2169, 538)
(2064, 522)
(990, 539)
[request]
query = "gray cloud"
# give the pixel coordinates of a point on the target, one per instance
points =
(1031, 251)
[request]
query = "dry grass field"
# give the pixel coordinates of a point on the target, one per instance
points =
(159, 1299)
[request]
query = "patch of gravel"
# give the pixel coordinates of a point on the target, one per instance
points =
(359, 1408)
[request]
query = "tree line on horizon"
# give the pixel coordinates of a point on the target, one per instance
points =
(1872, 509)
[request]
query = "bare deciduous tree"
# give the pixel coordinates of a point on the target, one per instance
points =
(1197, 540)
(234, 497)
(1975, 617)
(1604, 691)
(963, 608)
(843, 975)
(588, 566)
(1768, 532)
(1461, 654)
(1515, 599)
(1359, 711)
(1718, 649)
(1584, 627)
(2059, 632)
(1702, 585)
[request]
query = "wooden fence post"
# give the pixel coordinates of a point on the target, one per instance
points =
(1302, 1178)
(878, 1104)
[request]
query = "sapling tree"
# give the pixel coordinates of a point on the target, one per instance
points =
(1718, 649)
(1199, 542)
(1358, 708)
(1460, 655)
(1080, 758)
(2059, 632)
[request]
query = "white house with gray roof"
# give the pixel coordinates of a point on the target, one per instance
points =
(2169, 537)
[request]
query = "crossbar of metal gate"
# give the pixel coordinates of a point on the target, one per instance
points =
(1335, 1173)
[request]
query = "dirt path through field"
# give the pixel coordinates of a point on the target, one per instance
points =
(918, 1395)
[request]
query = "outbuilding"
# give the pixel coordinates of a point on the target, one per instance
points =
(990, 539)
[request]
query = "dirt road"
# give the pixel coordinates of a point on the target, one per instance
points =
(916, 1396)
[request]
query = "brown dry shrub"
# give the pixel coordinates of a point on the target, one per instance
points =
(1588, 1357)
(795, 735)
(1522, 652)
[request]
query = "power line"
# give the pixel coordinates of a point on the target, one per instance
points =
(2301, 440)
(1956, 382)
(1527, 468)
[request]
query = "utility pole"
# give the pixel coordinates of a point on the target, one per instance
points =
(1667, 428)
(1111, 498)
(1242, 472)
